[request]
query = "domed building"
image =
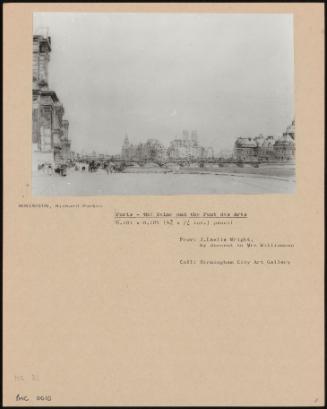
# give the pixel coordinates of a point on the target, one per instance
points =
(266, 149)
(284, 147)
(290, 130)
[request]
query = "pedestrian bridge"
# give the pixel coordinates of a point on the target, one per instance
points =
(181, 162)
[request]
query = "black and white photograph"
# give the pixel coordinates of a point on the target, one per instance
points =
(163, 104)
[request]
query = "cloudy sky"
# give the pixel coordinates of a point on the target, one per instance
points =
(151, 75)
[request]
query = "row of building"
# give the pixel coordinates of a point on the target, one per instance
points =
(50, 141)
(267, 149)
(186, 148)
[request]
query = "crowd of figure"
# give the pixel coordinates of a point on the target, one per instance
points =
(93, 166)
(88, 166)
(52, 169)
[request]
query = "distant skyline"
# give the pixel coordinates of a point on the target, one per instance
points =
(151, 75)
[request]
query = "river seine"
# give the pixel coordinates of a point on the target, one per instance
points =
(101, 183)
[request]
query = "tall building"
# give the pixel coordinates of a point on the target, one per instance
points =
(188, 148)
(50, 140)
(125, 150)
(154, 151)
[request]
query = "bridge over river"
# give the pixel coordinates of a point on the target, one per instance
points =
(178, 161)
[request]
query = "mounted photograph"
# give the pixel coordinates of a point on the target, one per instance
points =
(163, 104)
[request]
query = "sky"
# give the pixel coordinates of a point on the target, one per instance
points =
(151, 75)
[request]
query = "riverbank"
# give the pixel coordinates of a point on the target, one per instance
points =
(125, 183)
(266, 170)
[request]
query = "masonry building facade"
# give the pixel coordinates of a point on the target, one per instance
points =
(267, 149)
(50, 141)
(185, 148)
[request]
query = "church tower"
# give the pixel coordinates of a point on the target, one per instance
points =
(41, 58)
(125, 148)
